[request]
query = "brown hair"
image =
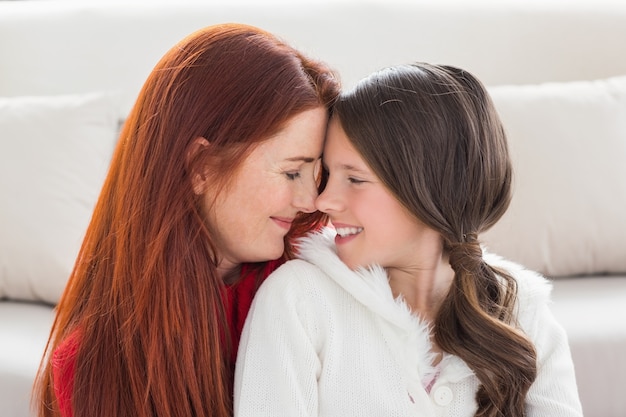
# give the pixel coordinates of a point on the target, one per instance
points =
(144, 292)
(432, 135)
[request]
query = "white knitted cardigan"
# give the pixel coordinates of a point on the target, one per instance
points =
(324, 340)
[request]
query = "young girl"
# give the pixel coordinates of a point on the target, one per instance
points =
(403, 312)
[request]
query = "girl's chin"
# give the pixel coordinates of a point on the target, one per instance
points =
(350, 263)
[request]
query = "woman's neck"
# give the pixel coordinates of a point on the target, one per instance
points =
(229, 274)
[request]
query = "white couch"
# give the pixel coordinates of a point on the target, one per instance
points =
(69, 71)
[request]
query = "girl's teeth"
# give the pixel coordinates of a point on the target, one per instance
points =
(347, 231)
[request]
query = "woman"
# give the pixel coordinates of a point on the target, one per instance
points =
(214, 174)
(402, 313)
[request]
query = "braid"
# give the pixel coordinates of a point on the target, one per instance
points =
(475, 324)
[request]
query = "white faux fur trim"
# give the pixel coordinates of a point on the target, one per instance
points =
(532, 288)
(406, 334)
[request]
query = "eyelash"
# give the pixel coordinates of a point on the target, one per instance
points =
(292, 176)
(351, 180)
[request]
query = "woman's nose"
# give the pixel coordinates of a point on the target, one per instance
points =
(304, 200)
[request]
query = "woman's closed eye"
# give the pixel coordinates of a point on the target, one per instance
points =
(293, 175)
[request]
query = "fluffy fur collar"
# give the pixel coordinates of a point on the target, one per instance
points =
(406, 334)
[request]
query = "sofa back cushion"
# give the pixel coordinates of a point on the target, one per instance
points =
(568, 145)
(54, 153)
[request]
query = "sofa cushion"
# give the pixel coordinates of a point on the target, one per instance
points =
(568, 145)
(591, 309)
(24, 329)
(54, 153)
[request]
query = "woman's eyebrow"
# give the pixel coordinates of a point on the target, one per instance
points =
(301, 158)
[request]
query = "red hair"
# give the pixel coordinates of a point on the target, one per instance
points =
(144, 294)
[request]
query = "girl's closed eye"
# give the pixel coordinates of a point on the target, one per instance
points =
(292, 175)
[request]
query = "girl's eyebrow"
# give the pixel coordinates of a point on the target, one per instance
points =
(347, 167)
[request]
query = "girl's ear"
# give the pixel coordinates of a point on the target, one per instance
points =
(198, 174)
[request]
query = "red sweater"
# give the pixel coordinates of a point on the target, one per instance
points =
(237, 300)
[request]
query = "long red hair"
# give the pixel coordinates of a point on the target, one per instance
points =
(144, 295)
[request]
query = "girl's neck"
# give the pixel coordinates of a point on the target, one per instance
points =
(423, 287)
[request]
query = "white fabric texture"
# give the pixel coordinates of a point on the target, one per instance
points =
(502, 42)
(568, 145)
(591, 309)
(322, 340)
(54, 153)
(24, 329)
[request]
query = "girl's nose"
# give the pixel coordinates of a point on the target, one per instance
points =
(328, 200)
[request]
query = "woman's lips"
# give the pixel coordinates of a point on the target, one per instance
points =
(283, 222)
